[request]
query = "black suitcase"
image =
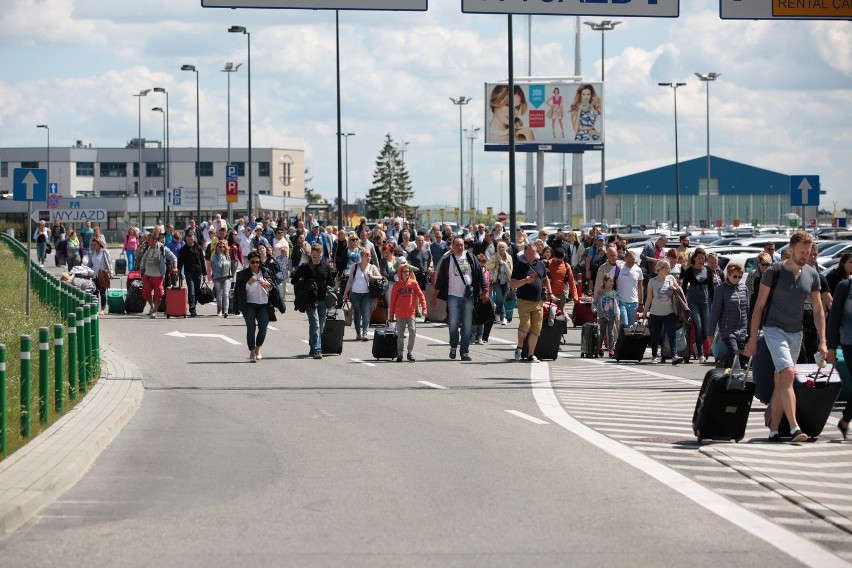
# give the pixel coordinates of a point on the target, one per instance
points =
(816, 392)
(632, 342)
(233, 309)
(121, 266)
(589, 340)
(682, 339)
(134, 303)
(384, 343)
(549, 339)
(723, 405)
(332, 333)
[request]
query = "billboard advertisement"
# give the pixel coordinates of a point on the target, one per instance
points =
(646, 8)
(554, 114)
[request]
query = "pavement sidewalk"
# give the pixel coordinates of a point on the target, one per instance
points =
(41, 471)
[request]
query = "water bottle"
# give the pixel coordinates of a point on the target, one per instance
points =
(820, 360)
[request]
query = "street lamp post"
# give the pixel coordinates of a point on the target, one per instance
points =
(197, 141)
(229, 68)
(346, 136)
(471, 134)
(243, 30)
(603, 27)
(163, 112)
(674, 87)
(46, 127)
(706, 78)
(459, 102)
(139, 145)
(167, 179)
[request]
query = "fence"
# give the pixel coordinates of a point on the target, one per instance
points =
(75, 362)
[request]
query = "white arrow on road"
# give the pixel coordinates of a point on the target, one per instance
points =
(805, 187)
(219, 335)
(29, 181)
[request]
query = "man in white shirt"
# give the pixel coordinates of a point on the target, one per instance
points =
(244, 239)
(628, 286)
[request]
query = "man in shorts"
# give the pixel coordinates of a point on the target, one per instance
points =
(529, 277)
(782, 328)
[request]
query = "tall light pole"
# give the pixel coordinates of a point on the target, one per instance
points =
(167, 179)
(163, 112)
(706, 78)
(46, 127)
(197, 141)
(243, 30)
(346, 136)
(471, 134)
(459, 102)
(674, 87)
(603, 27)
(229, 68)
(139, 144)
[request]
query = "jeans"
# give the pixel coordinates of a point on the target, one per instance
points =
(41, 251)
(628, 312)
(657, 323)
(131, 259)
(460, 313)
(257, 319)
(193, 283)
(847, 410)
(362, 305)
(316, 323)
(221, 291)
(500, 298)
(700, 320)
(478, 330)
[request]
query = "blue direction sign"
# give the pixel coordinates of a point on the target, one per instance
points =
(804, 191)
(231, 172)
(29, 184)
(53, 188)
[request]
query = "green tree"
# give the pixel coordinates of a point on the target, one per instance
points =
(312, 195)
(391, 191)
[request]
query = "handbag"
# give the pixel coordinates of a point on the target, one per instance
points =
(483, 312)
(378, 288)
(103, 280)
(681, 306)
(330, 298)
(718, 348)
(49, 248)
(205, 294)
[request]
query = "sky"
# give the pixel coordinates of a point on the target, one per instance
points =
(783, 101)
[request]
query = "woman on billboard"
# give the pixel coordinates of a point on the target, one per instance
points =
(556, 111)
(498, 128)
(585, 114)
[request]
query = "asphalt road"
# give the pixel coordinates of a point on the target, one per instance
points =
(351, 462)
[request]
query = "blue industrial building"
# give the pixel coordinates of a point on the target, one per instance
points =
(737, 192)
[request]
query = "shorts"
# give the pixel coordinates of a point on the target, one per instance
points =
(782, 345)
(530, 316)
(152, 284)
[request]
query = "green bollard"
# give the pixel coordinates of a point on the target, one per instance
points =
(96, 344)
(58, 368)
(3, 410)
(44, 375)
(81, 353)
(26, 396)
(89, 359)
(72, 356)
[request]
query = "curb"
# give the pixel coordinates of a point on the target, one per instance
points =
(52, 463)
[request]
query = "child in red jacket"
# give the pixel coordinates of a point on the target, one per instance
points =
(403, 306)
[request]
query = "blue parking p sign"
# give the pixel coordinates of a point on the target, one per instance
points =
(29, 184)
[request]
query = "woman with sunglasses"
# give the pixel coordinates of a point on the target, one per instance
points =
(252, 296)
(729, 313)
(221, 266)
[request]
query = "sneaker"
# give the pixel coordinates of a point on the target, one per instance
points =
(225, 315)
(411, 358)
(504, 322)
(517, 353)
(612, 353)
(465, 357)
(533, 359)
(192, 313)
(153, 315)
(655, 361)
(798, 436)
(452, 353)
(252, 357)
(365, 338)
(357, 336)
(677, 360)
(399, 358)
(257, 354)
(317, 354)
(774, 438)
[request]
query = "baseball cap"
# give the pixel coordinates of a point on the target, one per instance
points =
(601, 238)
(314, 224)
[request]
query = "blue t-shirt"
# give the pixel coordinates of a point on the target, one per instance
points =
(86, 237)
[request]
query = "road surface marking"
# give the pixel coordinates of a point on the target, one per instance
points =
(361, 361)
(532, 419)
(216, 335)
(432, 385)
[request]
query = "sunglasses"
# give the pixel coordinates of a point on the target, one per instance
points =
(764, 264)
(735, 275)
(254, 262)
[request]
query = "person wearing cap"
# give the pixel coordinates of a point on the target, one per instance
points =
(258, 238)
(530, 279)
(99, 260)
(653, 251)
(317, 235)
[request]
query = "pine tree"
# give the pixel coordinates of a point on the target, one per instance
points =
(391, 189)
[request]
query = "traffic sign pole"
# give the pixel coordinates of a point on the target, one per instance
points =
(29, 252)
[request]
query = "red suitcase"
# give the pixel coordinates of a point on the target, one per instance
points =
(583, 312)
(177, 302)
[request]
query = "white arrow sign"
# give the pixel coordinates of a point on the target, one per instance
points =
(805, 187)
(219, 335)
(29, 181)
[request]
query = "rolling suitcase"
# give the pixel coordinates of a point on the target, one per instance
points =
(438, 312)
(121, 266)
(632, 342)
(233, 308)
(332, 333)
(723, 405)
(583, 313)
(379, 313)
(176, 299)
(589, 340)
(549, 339)
(816, 392)
(384, 342)
(134, 303)
(115, 301)
(684, 350)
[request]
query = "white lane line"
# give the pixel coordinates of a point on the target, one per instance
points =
(785, 540)
(432, 385)
(361, 361)
(273, 328)
(532, 419)
(501, 340)
(432, 339)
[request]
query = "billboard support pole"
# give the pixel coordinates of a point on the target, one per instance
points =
(513, 215)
